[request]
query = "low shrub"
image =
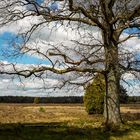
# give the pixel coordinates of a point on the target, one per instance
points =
(94, 96)
(36, 100)
(41, 109)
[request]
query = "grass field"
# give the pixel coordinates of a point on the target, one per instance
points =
(63, 122)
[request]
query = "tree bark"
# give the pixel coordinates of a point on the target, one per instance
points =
(112, 105)
(112, 78)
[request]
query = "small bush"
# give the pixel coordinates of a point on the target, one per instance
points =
(36, 100)
(41, 109)
(123, 95)
(94, 96)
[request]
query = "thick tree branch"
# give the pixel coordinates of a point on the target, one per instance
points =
(31, 71)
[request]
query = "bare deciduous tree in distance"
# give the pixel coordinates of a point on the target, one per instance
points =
(92, 55)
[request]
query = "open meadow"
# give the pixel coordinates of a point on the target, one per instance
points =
(63, 122)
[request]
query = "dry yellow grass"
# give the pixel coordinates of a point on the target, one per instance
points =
(31, 113)
(130, 108)
(63, 121)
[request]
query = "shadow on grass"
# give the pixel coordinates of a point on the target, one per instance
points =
(55, 131)
(131, 116)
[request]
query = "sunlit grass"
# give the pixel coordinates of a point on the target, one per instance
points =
(62, 122)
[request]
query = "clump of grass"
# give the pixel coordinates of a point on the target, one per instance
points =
(41, 109)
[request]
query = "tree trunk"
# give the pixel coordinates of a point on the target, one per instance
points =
(112, 105)
(112, 78)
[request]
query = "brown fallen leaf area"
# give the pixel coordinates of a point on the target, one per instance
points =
(46, 113)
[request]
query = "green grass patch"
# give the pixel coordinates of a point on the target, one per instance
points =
(62, 131)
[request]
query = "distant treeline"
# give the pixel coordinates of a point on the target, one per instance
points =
(69, 99)
(26, 99)
(133, 99)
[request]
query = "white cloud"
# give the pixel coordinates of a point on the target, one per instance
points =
(132, 84)
(20, 26)
(131, 45)
(37, 87)
(40, 39)
(30, 87)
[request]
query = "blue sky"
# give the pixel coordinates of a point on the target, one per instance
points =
(39, 1)
(36, 88)
(8, 38)
(9, 88)
(6, 41)
(53, 5)
(132, 30)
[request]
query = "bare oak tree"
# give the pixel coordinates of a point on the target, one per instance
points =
(86, 55)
